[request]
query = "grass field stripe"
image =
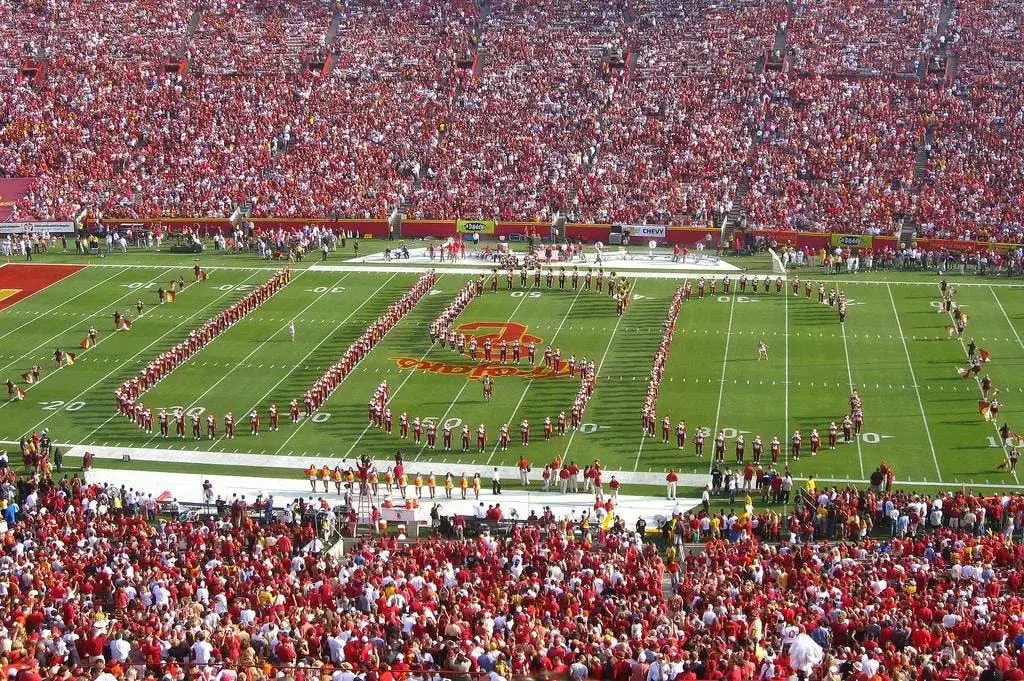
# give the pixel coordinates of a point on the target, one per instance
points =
(977, 380)
(849, 375)
(785, 338)
(597, 372)
(368, 298)
(28, 388)
(1006, 317)
(643, 434)
(529, 384)
(50, 312)
(721, 382)
(241, 362)
(304, 358)
(128, 361)
(913, 379)
(465, 385)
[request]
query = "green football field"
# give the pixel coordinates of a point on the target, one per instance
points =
(920, 416)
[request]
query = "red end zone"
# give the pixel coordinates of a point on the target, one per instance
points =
(18, 281)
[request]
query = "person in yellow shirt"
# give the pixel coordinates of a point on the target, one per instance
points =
(338, 478)
(716, 527)
(418, 484)
(448, 485)
(431, 484)
(463, 485)
(476, 486)
(811, 486)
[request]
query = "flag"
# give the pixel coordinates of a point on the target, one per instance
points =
(964, 317)
(20, 394)
(85, 344)
(984, 355)
(984, 408)
(169, 296)
(950, 331)
(28, 378)
(126, 324)
(69, 358)
(202, 275)
(964, 372)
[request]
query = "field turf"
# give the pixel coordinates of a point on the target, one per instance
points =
(920, 416)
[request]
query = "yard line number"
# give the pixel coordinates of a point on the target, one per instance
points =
(57, 405)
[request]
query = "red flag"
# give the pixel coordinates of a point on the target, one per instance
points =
(964, 372)
(85, 344)
(20, 394)
(126, 324)
(28, 378)
(983, 409)
(985, 355)
(69, 358)
(203, 275)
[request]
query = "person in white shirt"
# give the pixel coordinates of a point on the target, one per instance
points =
(120, 648)
(202, 651)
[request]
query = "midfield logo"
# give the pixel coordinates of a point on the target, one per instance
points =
(495, 332)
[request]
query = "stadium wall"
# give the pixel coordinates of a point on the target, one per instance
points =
(417, 229)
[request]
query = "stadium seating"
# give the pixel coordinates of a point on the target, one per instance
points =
(806, 116)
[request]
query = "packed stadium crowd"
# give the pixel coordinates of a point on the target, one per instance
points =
(98, 584)
(629, 111)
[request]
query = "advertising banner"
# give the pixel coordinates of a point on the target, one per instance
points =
(37, 227)
(474, 226)
(851, 240)
(647, 231)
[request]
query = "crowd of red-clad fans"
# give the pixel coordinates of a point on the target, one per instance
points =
(644, 111)
(95, 584)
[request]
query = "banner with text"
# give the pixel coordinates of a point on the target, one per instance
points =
(647, 231)
(851, 240)
(37, 228)
(475, 226)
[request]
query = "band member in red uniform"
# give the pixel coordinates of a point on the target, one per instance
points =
(211, 427)
(447, 436)
(417, 430)
(164, 424)
(487, 349)
(833, 435)
(758, 448)
(698, 443)
(795, 443)
(254, 423)
(275, 416)
(681, 435)
(179, 423)
(524, 433)
(229, 426)
(293, 410)
(516, 351)
(561, 423)
(547, 428)
(503, 352)
(741, 448)
(196, 428)
(720, 446)
(815, 441)
(431, 434)
(503, 437)
(481, 438)
(403, 425)
(388, 420)
(465, 438)
(666, 428)
(847, 429)
(572, 366)
(488, 384)
(775, 448)
(531, 352)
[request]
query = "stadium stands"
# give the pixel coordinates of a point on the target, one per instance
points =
(868, 117)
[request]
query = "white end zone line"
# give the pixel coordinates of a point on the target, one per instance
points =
(28, 388)
(56, 307)
(133, 357)
(597, 374)
(913, 379)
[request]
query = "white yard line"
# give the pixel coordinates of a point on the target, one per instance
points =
(721, 382)
(50, 374)
(57, 307)
(256, 349)
(977, 380)
(849, 375)
(315, 348)
(913, 379)
(529, 384)
(597, 373)
(1007, 317)
(392, 396)
(128, 361)
(465, 385)
(643, 435)
(785, 337)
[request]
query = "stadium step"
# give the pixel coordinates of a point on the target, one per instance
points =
(666, 587)
(923, 153)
